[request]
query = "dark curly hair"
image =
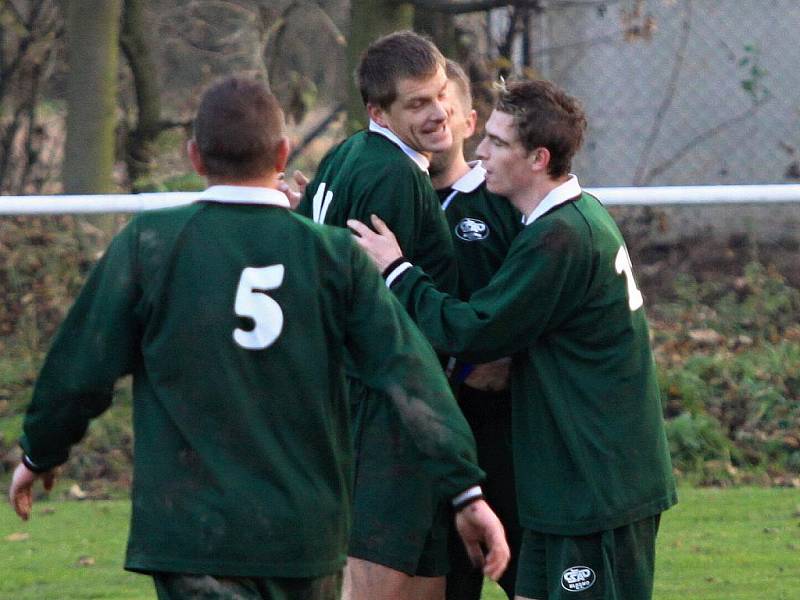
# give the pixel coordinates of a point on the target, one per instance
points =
(545, 117)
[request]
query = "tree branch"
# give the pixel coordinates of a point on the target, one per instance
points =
(672, 86)
(7, 145)
(24, 45)
(699, 139)
(457, 8)
(40, 172)
(33, 139)
(337, 34)
(16, 13)
(316, 131)
(134, 45)
(169, 124)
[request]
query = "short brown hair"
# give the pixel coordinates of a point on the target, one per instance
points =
(238, 128)
(387, 60)
(545, 116)
(456, 74)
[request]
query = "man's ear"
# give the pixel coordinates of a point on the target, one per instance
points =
(377, 114)
(539, 159)
(472, 122)
(282, 154)
(194, 157)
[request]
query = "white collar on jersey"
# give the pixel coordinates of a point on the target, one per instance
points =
(420, 159)
(240, 194)
(558, 195)
(468, 182)
(472, 179)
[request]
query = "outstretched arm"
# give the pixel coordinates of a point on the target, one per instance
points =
(96, 344)
(544, 275)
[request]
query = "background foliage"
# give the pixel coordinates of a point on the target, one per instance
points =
(724, 309)
(726, 340)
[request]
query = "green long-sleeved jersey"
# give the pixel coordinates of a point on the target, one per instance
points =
(370, 173)
(233, 316)
(590, 450)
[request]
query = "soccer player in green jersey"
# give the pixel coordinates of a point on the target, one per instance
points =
(590, 451)
(482, 225)
(233, 315)
(398, 547)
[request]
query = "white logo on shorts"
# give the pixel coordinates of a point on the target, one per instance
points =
(577, 579)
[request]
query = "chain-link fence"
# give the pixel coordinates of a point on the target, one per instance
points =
(677, 91)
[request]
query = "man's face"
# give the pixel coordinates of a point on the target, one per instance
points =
(462, 118)
(507, 163)
(418, 115)
(462, 125)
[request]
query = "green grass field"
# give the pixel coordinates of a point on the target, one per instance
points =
(730, 544)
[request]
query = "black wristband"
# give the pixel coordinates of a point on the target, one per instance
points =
(30, 466)
(393, 265)
(466, 502)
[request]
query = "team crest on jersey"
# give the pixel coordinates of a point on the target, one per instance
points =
(577, 579)
(472, 230)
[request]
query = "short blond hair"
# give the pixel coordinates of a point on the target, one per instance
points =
(456, 74)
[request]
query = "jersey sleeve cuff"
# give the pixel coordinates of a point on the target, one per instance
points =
(393, 272)
(467, 497)
(32, 466)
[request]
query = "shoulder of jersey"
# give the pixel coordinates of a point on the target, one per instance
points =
(390, 152)
(167, 218)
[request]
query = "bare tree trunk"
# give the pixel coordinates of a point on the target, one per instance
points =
(135, 47)
(29, 40)
(440, 27)
(370, 19)
(92, 38)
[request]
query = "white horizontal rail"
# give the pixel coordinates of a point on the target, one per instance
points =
(611, 196)
(697, 194)
(69, 204)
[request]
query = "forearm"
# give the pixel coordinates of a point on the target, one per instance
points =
(93, 348)
(452, 326)
(55, 421)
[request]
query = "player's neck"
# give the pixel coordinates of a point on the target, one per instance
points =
(268, 180)
(454, 171)
(528, 199)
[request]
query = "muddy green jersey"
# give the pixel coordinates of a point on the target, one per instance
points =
(482, 226)
(375, 172)
(590, 451)
(233, 315)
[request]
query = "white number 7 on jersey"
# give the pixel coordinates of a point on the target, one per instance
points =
(623, 265)
(252, 302)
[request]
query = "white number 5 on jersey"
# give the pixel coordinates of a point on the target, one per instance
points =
(623, 266)
(251, 301)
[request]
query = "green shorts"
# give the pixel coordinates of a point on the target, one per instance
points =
(609, 565)
(398, 520)
(182, 586)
